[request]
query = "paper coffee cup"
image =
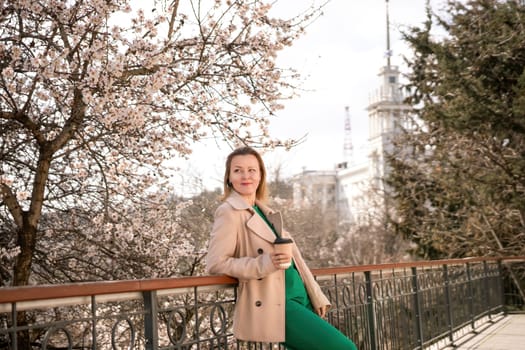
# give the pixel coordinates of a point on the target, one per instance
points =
(284, 246)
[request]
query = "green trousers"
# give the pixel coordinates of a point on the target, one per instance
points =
(305, 330)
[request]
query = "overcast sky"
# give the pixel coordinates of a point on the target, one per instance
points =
(340, 57)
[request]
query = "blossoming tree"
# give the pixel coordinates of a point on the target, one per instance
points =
(95, 99)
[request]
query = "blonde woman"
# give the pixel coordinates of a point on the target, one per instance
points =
(274, 304)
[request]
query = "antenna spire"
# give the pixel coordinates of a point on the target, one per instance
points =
(348, 146)
(388, 50)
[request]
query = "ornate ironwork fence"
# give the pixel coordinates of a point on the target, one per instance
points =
(389, 306)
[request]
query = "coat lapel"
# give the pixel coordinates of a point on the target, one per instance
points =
(277, 221)
(274, 217)
(255, 223)
(260, 227)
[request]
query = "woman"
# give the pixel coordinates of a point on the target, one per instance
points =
(273, 304)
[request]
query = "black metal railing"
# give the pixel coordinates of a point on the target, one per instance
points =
(389, 306)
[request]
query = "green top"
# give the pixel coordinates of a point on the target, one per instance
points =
(295, 289)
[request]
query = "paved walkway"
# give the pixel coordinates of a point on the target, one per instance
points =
(507, 334)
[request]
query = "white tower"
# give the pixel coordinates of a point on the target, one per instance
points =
(386, 114)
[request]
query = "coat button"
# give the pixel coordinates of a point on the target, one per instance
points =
(260, 251)
(258, 303)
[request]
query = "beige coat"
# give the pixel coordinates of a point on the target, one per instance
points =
(240, 246)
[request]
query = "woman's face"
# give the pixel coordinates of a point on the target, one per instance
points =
(245, 175)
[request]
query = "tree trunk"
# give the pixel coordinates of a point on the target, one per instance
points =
(26, 240)
(26, 235)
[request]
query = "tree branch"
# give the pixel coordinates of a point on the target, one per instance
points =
(9, 198)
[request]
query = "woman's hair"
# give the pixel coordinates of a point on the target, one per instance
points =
(262, 190)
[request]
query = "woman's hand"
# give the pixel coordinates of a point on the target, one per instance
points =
(281, 261)
(322, 311)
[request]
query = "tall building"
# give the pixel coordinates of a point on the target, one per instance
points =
(356, 189)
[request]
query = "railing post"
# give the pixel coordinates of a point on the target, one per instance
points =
(486, 288)
(449, 306)
(151, 336)
(418, 322)
(93, 323)
(371, 313)
(501, 280)
(470, 297)
(14, 321)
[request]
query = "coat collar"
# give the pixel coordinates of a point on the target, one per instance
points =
(256, 223)
(237, 201)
